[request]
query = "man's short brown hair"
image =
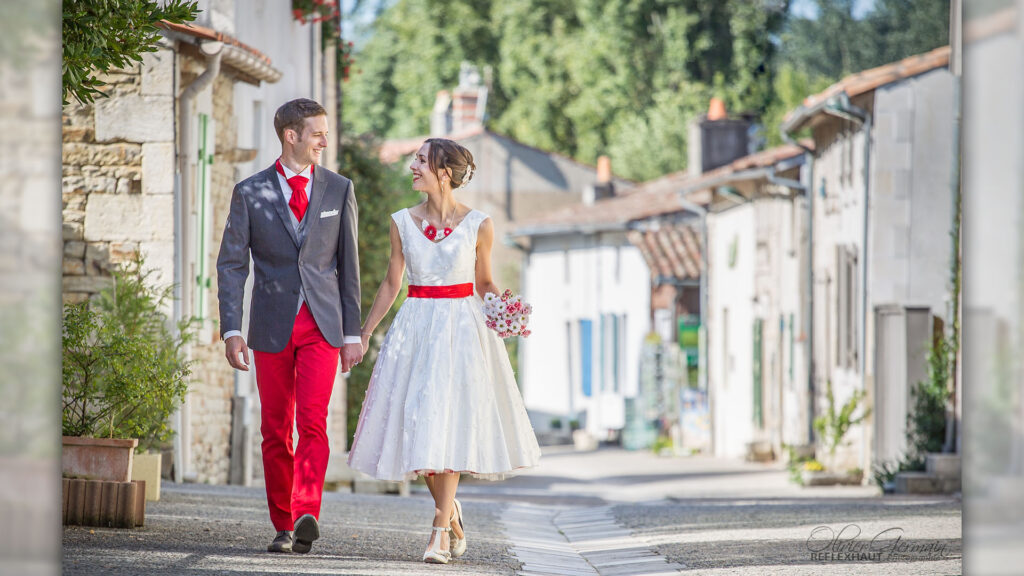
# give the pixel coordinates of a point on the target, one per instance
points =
(293, 115)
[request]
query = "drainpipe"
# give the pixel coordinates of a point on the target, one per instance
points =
(182, 207)
(809, 313)
(840, 107)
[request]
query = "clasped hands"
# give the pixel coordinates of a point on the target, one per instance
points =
(237, 354)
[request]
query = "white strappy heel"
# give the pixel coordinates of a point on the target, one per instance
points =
(458, 545)
(434, 554)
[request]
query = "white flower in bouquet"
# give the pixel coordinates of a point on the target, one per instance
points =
(507, 314)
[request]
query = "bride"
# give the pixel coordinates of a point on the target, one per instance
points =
(442, 400)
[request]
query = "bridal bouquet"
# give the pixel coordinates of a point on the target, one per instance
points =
(507, 314)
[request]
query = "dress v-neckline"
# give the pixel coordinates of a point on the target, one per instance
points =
(419, 232)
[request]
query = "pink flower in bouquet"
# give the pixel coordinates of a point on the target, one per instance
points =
(506, 314)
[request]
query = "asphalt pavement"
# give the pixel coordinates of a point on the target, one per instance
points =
(606, 512)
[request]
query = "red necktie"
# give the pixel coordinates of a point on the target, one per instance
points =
(299, 200)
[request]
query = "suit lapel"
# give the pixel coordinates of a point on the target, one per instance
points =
(316, 200)
(280, 206)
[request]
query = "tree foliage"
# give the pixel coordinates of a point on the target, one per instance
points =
(836, 43)
(623, 77)
(580, 77)
(381, 190)
(102, 35)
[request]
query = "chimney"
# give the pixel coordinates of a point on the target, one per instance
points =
(469, 100)
(604, 170)
(716, 140)
(440, 118)
(603, 187)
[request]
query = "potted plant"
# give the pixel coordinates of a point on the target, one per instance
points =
(124, 373)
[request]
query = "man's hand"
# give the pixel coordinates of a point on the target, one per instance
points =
(351, 354)
(232, 348)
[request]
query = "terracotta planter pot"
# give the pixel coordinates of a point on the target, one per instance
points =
(98, 458)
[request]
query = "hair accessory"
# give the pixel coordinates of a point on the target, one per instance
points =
(466, 178)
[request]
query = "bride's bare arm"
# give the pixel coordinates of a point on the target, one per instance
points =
(389, 288)
(484, 241)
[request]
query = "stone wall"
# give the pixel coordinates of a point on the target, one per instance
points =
(118, 178)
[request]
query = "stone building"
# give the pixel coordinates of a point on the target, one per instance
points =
(150, 169)
(881, 218)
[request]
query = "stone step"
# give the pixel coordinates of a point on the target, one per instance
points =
(925, 483)
(943, 465)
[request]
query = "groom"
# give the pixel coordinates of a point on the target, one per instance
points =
(298, 221)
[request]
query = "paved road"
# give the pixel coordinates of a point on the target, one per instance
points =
(606, 512)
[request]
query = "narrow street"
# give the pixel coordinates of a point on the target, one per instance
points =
(606, 512)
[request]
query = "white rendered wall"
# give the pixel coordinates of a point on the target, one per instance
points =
(568, 279)
(730, 334)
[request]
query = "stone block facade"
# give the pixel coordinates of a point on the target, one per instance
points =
(119, 164)
(120, 158)
(111, 207)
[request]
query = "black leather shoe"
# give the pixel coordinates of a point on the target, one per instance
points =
(306, 531)
(282, 543)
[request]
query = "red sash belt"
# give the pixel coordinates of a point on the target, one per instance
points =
(453, 291)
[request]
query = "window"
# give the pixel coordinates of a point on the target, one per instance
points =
(611, 347)
(586, 357)
(846, 307)
(619, 323)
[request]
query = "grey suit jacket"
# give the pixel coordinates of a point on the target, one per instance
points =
(323, 261)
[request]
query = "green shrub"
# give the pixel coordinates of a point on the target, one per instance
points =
(124, 369)
(833, 426)
(795, 464)
(926, 420)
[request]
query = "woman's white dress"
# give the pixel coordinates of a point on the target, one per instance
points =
(442, 396)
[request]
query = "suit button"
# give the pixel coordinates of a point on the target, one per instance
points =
(295, 291)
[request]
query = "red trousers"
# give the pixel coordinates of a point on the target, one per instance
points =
(295, 387)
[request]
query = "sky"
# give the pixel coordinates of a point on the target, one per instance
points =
(808, 8)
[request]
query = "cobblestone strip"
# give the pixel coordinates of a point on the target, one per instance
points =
(611, 549)
(578, 542)
(538, 544)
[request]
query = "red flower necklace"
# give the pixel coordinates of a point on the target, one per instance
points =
(430, 232)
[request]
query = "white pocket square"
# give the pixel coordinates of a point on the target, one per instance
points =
(328, 213)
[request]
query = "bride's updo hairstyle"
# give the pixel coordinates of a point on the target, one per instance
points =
(449, 154)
